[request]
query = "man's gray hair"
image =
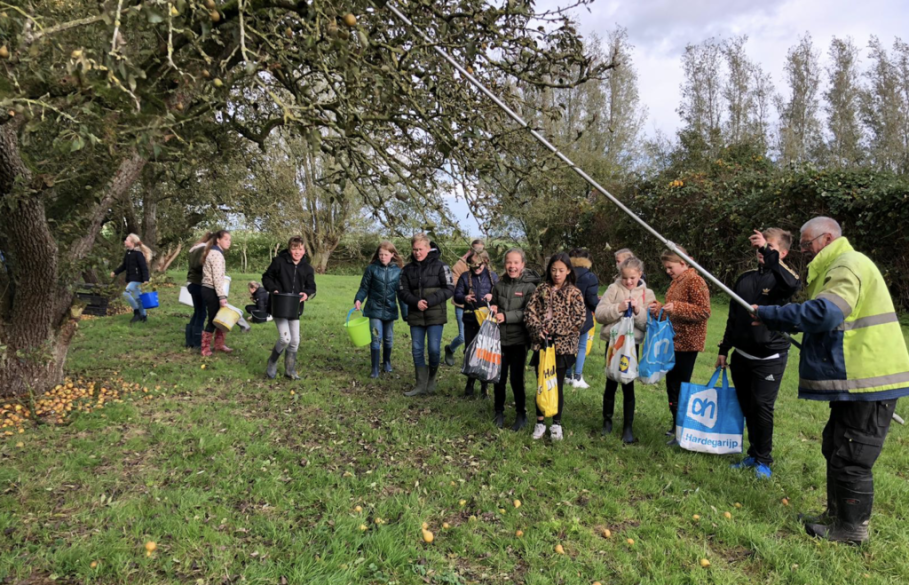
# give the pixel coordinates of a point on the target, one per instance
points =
(823, 225)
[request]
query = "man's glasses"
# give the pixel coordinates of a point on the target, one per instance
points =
(805, 245)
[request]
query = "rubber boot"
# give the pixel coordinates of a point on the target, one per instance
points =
(628, 422)
(449, 356)
(137, 316)
(290, 365)
(374, 353)
(484, 390)
(499, 420)
(608, 411)
(422, 375)
(431, 384)
(189, 336)
(218, 343)
(143, 318)
(520, 422)
(851, 524)
(468, 388)
(206, 343)
(386, 358)
(271, 368)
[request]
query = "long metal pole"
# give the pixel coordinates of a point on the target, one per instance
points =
(514, 116)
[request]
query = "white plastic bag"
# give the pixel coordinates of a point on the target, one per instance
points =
(622, 357)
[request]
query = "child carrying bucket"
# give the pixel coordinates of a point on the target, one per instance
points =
(135, 264)
(291, 281)
(379, 291)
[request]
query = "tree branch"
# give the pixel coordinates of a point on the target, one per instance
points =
(127, 174)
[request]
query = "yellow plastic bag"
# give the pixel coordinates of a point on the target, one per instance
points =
(590, 337)
(547, 384)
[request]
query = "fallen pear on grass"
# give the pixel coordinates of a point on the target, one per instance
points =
(559, 549)
(428, 536)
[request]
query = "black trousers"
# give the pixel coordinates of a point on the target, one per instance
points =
(213, 305)
(852, 441)
(684, 367)
(757, 384)
(514, 358)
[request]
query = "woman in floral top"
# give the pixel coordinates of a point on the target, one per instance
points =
(688, 307)
(556, 312)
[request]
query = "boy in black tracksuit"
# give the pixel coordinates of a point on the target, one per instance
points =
(760, 354)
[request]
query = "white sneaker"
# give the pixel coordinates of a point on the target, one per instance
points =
(569, 380)
(538, 431)
(555, 432)
(581, 384)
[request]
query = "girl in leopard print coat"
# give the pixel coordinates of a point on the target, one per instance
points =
(556, 311)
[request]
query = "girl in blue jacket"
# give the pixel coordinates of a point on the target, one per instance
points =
(380, 286)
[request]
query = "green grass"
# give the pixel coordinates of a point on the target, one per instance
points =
(238, 481)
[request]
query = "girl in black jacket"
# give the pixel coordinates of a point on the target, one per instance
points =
(589, 284)
(135, 264)
(258, 311)
(289, 273)
(425, 285)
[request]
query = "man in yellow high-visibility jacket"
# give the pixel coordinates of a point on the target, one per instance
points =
(854, 356)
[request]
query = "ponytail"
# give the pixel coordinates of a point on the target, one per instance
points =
(137, 244)
(215, 236)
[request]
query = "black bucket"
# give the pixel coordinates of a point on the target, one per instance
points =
(285, 305)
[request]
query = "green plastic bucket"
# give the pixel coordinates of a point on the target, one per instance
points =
(358, 330)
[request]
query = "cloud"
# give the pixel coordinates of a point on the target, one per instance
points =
(660, 30)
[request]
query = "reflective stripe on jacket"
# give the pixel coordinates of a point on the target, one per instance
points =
(853, 346)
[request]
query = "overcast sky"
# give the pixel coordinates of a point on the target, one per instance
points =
(660, 29)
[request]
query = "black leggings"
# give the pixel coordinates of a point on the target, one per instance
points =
(627, 394)
(684, 367)
(513, 359)
(213, 304)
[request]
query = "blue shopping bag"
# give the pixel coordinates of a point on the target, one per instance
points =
(709, 418)
(657, 351)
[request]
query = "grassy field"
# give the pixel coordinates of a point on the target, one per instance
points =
(327, 480)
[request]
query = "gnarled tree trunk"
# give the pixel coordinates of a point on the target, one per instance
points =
(36, 326)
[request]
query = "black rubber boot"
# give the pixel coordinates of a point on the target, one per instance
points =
(137, 316)
(449, 356)
(520, 422)
(468, 388)
(431, 384)
(628, 406)
(374, 353)
(484, 390)
(421, 374)
(499, 419)
(608, 411)
(189, 336)
(271, 368)
(386, 358)
(290, 365)
(851, 524)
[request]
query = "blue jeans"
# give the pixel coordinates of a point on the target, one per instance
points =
(459, 340)
(133, 289)
(197, 321)
(383, 333)
(418, 340)
(578, 369)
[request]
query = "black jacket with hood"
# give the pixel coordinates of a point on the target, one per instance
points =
(284, 276)
(510, 296)
(589, 285)
(134, 265)
(429, 280)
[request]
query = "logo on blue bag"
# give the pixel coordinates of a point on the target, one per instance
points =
(661, 347)
(702, 407)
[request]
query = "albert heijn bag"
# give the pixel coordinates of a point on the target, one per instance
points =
(621, 357)
(657, 351)
(547, 382)
(483, 357)
(709, 418)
